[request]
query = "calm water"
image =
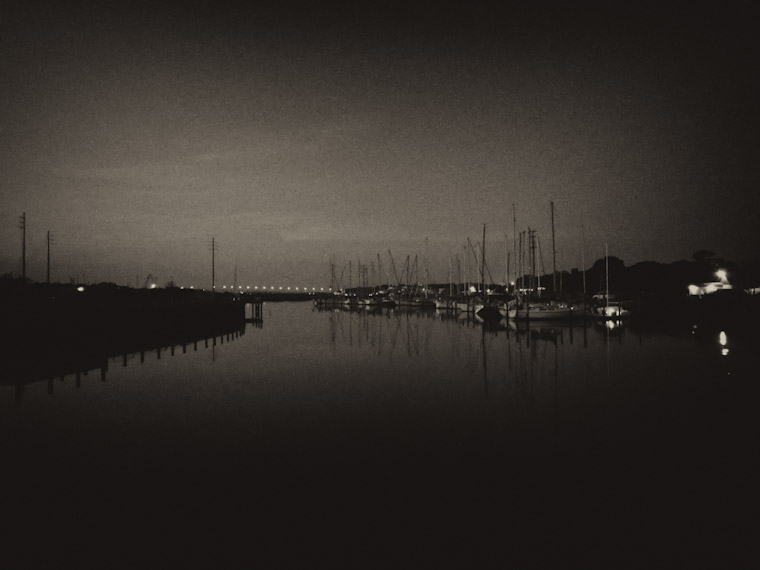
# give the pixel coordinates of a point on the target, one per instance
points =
(390, 440)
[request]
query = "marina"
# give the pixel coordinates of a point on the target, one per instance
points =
(378, 286)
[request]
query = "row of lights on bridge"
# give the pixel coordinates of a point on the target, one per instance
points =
(256, 288)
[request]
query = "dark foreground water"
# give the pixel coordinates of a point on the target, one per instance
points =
(392, 440)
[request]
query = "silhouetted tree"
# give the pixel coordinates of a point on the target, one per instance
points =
(703, 256)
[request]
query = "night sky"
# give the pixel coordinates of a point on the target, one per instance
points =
(295, 132)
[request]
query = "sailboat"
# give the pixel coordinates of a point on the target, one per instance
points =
(612, 308)
(423, 301)
(535, 310)
(485, 310)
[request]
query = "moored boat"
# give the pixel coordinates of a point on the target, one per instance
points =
(541, 311)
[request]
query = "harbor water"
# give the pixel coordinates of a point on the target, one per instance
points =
(390, 439)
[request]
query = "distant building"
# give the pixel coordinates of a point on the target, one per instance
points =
(712, 287)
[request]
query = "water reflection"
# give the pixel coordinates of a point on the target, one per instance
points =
(518, 363)
(723, 341)
(42, 361)
(600, 413)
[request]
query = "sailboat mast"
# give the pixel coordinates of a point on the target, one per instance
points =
(508, 255)
(583, 260)
(554, 255)
(506, 260)
(607, 274)
(540, 261)
(467, 265)
(532, 241)
(459, 275)
(529, 263)
(514, 244)
(451, 286)
(483, 263)
(519, 281)
(426, 268)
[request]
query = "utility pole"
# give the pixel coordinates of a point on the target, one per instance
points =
(22, 225)
(214, 247)
(49, 243)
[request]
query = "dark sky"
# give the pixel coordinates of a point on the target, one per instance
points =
(294, 132)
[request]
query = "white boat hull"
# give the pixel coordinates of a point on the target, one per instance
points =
(611, 312)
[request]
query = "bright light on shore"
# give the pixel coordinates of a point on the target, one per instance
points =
(721, 274)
